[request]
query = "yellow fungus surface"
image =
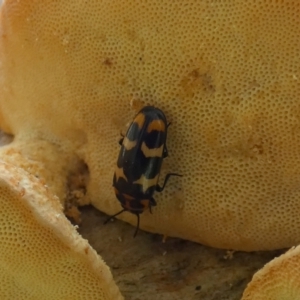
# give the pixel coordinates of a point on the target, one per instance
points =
(226, 74)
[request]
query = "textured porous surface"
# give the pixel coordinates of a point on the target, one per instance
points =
(41, 254)
(226, 74)
(44, 160)
(277, 280)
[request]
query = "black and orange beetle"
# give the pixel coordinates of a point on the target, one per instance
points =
(143, 149)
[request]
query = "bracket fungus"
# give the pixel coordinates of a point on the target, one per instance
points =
(277, 280)
(226, 74)
(42, 255)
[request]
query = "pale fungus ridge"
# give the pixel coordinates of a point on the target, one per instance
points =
(226, 74)
(277, 280)
(41, 254)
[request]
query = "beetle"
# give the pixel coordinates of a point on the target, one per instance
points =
(143, 149)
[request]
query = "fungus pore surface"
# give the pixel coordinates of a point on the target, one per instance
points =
(226, 74)
(41, 254)
(277, 280)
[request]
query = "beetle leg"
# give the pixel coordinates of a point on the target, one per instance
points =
(159, 188)
(137, 225)
(165, 152)
(111, 217)
(152, 202)
(121, 139)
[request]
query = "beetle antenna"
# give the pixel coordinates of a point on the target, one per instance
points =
(111, 217)
(137, 225)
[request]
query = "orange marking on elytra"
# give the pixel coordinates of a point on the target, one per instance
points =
(128, 197)
(127, 205)
(145, 203)
(140, 120)
(157, 125)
